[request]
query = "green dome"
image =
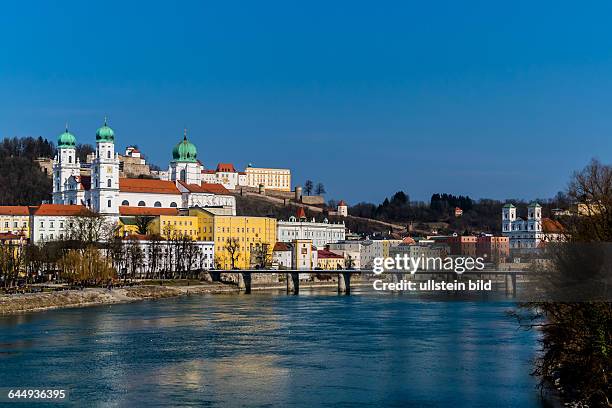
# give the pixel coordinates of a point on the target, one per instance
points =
(66, 140)
(185, 151)
(105, 134)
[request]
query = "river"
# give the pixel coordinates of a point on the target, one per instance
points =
(273, 349)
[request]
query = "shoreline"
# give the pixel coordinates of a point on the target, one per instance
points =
(38, 302)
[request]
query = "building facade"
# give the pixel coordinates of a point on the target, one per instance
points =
(321, 233)
(15, 219)
(104, 191)
(531, 232)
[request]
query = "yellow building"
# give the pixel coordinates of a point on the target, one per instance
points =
(329, 260)
(271, 179)
(15, 220)
(247, 237)
(172, 226)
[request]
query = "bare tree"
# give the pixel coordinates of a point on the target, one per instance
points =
(142, 223)
(308, 186)
(320, 189)
(232, 246)
(261, 256)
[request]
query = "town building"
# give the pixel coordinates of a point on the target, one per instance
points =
(531, 232)
(157, 256)
(321, 233)
(458, 212)
(15, 219)
(270, 179)
(464, 245)
(104, 191)
(350, 250)
(282, 256)
(375, 248)
(304, 255)
(342, 209)
(329, 260)
(52, 222)
(493, 249)
(248, 237)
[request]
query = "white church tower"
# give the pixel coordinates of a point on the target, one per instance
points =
(105, 174)
(184, 165)
(534, 218)
(65, 164)
(508, 217)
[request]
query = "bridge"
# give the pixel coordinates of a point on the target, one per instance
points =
(292, 276)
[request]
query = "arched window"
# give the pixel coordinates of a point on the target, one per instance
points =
(125, 203)
(108, 154)
(69, 159)
(157, 204)
(71, 202)
(183, 175)
(110, 204)
(109, 183)
(141, 204)
(173, 204)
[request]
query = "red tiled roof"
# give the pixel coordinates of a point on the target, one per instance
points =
(211, 188)
(60, 209)
(408, 241)
(226, 167)
(242, 173)
(281, 246)
(341, 203)
(147, 211)
(552, 226)
(325, 254)
(14, 210)
(208, 172)
(133, 185)
(301, 213)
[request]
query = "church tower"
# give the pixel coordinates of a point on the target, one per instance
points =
(105, 173)
(184, 165)
(65, 164)
(508, 217)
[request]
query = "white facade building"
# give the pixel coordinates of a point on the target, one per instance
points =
(320, 233)
(105, 191)
(531, 232)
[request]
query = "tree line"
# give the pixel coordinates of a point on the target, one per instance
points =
(92, 253)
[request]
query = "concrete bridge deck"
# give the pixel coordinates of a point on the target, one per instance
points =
(292, 276)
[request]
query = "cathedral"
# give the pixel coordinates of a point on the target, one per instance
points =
(98, 186)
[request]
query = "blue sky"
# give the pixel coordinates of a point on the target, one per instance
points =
(490, 99)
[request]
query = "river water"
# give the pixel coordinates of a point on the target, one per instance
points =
(273, 349)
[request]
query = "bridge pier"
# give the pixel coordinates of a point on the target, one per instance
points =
(215, 276)
(293, 282)
(510, 280)
(344, 283)
(244, 282)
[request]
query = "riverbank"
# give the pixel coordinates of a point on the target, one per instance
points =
(33, 302)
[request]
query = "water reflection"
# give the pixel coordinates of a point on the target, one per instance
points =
(272, 349)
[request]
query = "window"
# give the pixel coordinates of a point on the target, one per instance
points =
(6, 224)
(183, 175)
(173, 204)
(125, 203)
(109, 183)
(110, 203)
(108, 154)
(141, 203)
(157, 204)
(69, 159)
